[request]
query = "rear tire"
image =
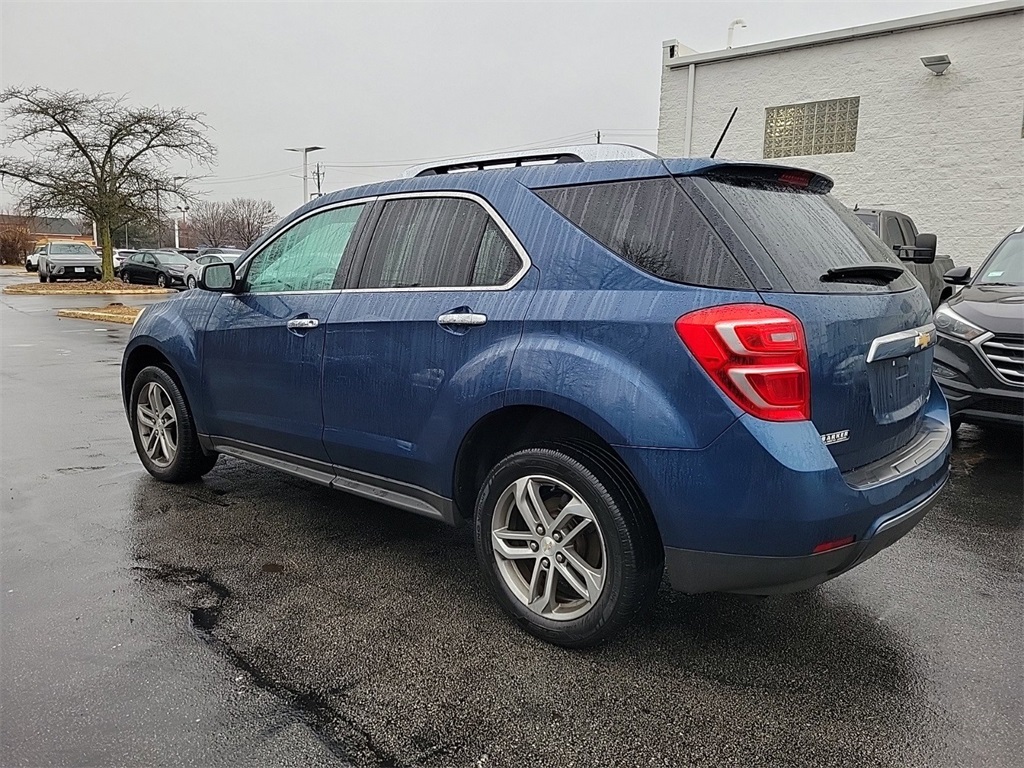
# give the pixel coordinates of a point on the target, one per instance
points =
(606, 546)
(42, 278)
(163, 430)
(51, 278)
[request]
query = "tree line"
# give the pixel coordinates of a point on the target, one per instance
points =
(113, 163)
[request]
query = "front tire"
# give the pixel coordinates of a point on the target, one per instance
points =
(161, 280)
(566, 543)
(191, 283)
(162, 427)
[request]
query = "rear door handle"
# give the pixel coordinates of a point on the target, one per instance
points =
(462, 318)
(302, 323)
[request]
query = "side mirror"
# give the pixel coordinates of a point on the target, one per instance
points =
(921, 252)
(217, 277)
(958, 276)
(924, 248)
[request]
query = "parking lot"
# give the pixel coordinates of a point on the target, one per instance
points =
(257, 619)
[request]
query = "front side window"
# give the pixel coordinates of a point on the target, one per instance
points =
(307, 256)
(424, 242)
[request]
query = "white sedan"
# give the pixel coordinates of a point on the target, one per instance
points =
(196, 265)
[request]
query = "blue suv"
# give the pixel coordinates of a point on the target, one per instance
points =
(610, 368)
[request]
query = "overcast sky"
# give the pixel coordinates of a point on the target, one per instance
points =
(390, 83)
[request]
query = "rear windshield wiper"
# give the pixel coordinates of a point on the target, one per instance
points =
(884, 273)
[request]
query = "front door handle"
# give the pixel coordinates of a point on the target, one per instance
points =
(302, 323)
(462, 318)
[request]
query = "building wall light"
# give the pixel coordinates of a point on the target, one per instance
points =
(937, 64)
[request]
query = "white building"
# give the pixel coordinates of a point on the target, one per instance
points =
(859, 105)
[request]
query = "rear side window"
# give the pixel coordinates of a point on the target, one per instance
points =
(497, 261)
(808, 233)
(654, 225)
(437, 242)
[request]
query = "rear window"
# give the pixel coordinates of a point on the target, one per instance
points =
(654, 225)
(808, 233)
(870, 219)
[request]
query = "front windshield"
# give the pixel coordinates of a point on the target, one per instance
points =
(70, 249)
(1006, 264)
(172, 258)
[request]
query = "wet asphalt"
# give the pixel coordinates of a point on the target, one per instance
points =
(255, 619)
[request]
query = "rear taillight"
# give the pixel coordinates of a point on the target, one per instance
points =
(756, 354)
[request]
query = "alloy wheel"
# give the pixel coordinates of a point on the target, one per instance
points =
(549, 548)
(161, 281)
(157, 423)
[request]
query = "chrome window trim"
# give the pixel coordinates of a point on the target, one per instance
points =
(495, 217)
(517, 246)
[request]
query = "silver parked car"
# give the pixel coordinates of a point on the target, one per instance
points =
(69, 261)
(211, 256)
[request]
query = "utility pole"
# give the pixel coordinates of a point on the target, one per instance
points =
(598, 137)
(318, 174)
(305, 168)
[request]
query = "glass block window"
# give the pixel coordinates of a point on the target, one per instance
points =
(813, 128)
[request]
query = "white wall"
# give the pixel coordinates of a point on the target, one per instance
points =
(945, 150)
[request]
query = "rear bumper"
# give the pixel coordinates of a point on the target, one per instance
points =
(693, 571)
(746, 513)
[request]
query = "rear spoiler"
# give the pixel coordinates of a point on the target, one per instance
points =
(763, 173)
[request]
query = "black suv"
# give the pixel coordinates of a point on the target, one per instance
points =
(979, 362)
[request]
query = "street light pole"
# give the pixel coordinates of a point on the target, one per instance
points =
(305, 168)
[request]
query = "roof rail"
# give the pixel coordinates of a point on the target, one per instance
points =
(581, 153)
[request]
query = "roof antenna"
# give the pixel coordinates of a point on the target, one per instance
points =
(725, 131)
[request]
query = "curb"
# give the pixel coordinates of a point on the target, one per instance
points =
(95, 314)
(20, 291)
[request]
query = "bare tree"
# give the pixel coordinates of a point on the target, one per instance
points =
(16, 238)
(249, 219)
(99, 157)
(211, 223)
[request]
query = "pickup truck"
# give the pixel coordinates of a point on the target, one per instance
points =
(898, 231)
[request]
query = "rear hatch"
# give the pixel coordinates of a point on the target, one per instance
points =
(867, 321)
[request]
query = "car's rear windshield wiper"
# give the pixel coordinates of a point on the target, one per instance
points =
(884, 273)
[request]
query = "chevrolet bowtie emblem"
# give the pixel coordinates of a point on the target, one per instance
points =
(923, 340)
